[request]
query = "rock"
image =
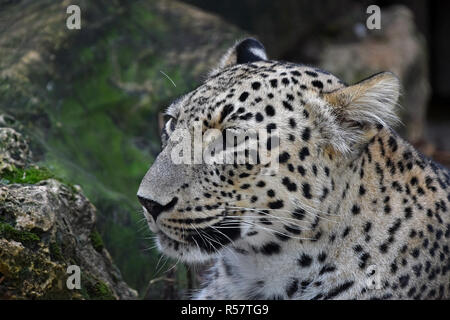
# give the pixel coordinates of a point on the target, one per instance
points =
(45, 227)
(204, 39)
(14, 150)
(396, 47)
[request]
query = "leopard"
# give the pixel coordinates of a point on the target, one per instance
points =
(351, 211)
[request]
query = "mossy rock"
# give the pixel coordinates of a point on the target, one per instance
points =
(96, 241)
(10, 233)
(94, 289)
(30, 175)
(45, 226)
(14, 149)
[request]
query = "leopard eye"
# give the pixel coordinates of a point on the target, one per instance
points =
(171, 123)
(168, 128)
(164, 138)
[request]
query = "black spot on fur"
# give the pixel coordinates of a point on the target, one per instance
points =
(225, 112)
(367, 226)
(356, 209)
(362, 190)
(408, 212)
(287, 106)
(322, 257)
(274, 83)
(339, 289)
(271, 126)
(276, 204)
(301, 170)
(256, 85)
(346, 232)
(306, 134)
(291, 186)
(393, 144)
(306, 187)
(292, 123)
(312, 74)
(305, 260)
(284, 157)
(259, 117)
(327, 268)
(270, 111)
(304, 152)
(261, 184)
(403, 280)
(318, 84)
(293, 229)
(243, 96)
(292, 288)
(299, 213)
(270, 248)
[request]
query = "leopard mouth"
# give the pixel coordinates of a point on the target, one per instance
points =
(209, 239)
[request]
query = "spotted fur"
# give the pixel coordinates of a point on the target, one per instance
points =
(354, 211)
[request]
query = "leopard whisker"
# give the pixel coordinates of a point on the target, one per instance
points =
(295, 221)
(269, 229)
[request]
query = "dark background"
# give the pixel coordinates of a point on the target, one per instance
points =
(273, 21)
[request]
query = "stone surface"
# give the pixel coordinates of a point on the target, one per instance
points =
(44, 228)
(14, 150)
(396, 47)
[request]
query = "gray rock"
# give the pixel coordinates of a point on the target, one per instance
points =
(44, 228)
(397, 47)
(14, 150)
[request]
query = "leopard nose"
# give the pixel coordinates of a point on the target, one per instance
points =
(154, 208)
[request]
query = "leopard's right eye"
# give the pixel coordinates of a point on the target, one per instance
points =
(168, 128)
(164, 138)
(173, 123)
(170, 125)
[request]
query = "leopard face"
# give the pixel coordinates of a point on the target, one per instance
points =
(199, 209)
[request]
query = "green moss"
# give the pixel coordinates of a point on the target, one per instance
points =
(94, 289)
(96, 241)
(101, 292)
(10, 233)
(30, 175)
(55, 252)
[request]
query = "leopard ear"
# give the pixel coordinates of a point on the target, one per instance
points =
(362, 106)
(244, 51)
(371, 101)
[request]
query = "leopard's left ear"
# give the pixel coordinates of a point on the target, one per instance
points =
(359, 108)
(371, 101)
(244, 51)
